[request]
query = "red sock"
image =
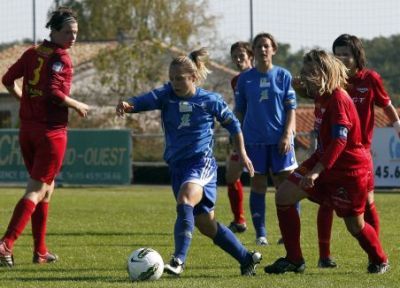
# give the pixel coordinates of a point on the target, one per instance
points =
(39, 221)
(235, 194)
(21, 215)
(324, 225)
(289, 223)
(369, 241)
(371, 216)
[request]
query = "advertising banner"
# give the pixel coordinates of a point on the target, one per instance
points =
(386, 156)
(93, 156)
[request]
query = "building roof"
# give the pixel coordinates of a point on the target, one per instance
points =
(81, 54)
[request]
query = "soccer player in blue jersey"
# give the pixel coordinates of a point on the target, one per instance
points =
(188, 113)
(265, 104)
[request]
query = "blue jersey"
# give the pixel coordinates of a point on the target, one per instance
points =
(264, 99)
(188, 123)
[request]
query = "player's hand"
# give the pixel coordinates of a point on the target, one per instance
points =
(284, 145)
(82, 109)
(297, 84)
(246, 162)
(300, 88)
(123, 107)
(308, 181)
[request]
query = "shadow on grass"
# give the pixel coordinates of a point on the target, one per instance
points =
(90, 278)
(55, 269)
(108, 233)
(69, 279)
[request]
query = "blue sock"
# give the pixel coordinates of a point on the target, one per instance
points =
(183, 230)
(297, 205)
(227, 241)
(257, 209)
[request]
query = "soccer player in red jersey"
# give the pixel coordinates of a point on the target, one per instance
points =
(242, 57)
(336, 173)
(366, 89)
(47, 75)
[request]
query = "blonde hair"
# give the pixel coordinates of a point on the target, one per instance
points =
(328, 72)
(194, 63)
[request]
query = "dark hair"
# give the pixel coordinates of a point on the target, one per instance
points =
(268, 36)
(244, 45)
(59, 17)
(356, 47)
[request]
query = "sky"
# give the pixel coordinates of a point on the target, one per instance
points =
(300, 23)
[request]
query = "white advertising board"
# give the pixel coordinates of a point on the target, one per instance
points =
(386, 155)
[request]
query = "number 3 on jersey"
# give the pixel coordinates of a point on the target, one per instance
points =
(36, 72)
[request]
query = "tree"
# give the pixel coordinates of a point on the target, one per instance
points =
(145, 29)
(382, 56)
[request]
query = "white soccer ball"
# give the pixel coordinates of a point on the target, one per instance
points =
(145, 264)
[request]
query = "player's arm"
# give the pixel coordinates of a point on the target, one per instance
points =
(290, 104)
(393, 117)
(288, 132)
(78, 106)
(228, 120)
(13, 73)
(14, 91)
(308, 181)
(59, 68)
(145, 102)
(238, 144)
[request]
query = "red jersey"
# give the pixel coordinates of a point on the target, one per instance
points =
(234, 82)
(366, 89)
(47, 75)
(344, 151)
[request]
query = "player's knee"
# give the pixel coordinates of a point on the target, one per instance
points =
(285, 195)
(354, 225)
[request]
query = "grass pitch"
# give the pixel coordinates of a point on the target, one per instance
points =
(93, 230)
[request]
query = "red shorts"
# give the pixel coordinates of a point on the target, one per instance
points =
(371, 175)
(43, 152)
(344, 191)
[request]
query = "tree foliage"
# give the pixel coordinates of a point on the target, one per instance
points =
(381, 54)
(144, 30)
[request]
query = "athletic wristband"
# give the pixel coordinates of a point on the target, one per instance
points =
(396, 126)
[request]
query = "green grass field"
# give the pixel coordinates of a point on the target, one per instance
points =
(94, 230)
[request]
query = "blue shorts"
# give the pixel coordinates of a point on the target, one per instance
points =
(267, 158)
(202, 171)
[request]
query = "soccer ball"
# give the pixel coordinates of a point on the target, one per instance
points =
(145, 264)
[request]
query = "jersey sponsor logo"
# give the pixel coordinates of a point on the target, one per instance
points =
(264, 83)
(57, 66)
(264, 95)
(185, 121)
(362, 90)
(358, 100)
(185, 107)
